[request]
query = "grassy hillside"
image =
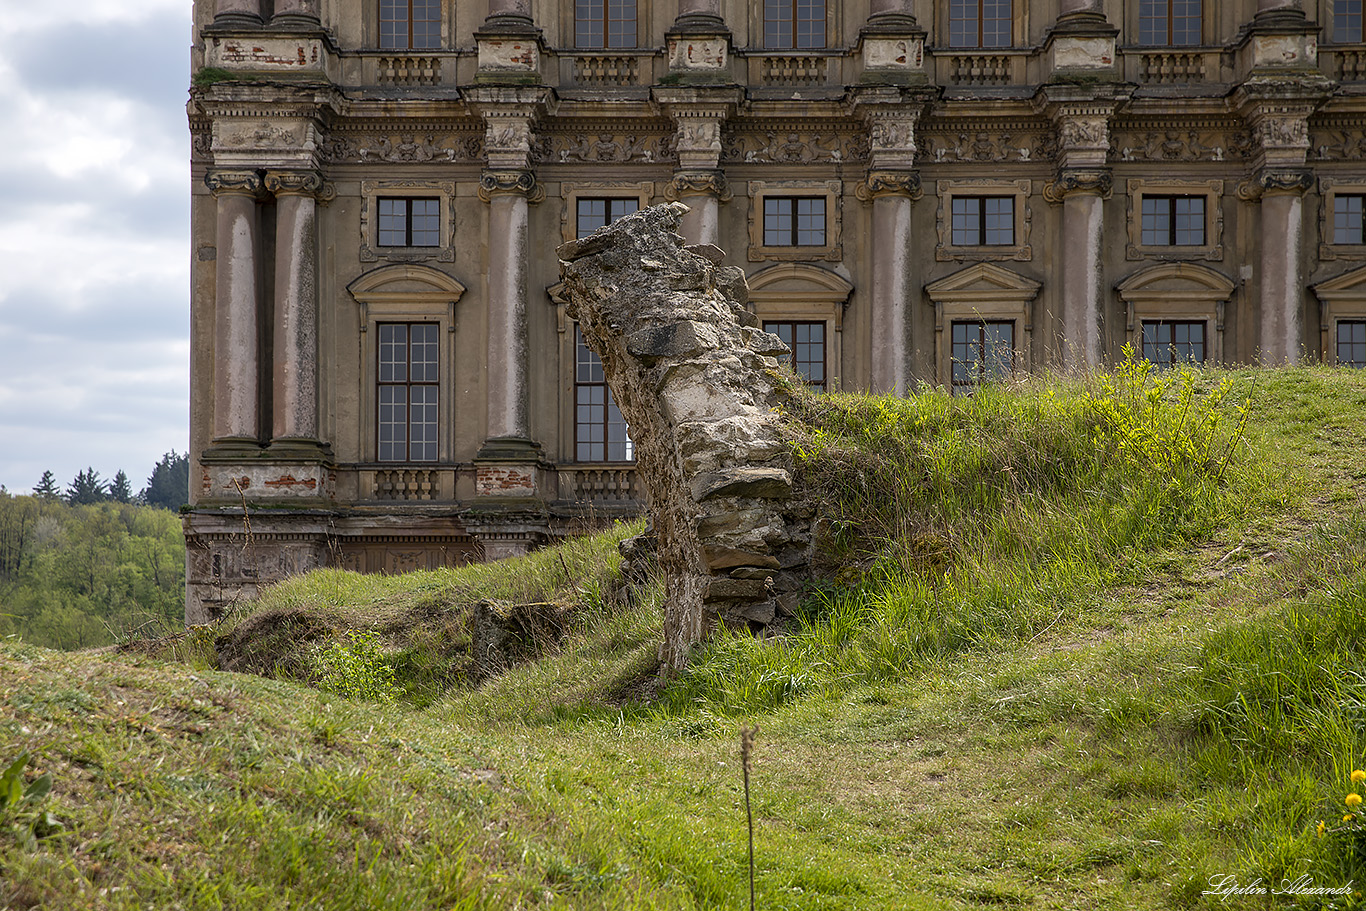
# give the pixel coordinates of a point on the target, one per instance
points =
(1088, 645)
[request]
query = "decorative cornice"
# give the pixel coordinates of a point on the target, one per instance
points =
(1094, 182)
(692, 183)
(890, 183)
(247, 183)
(516, 182)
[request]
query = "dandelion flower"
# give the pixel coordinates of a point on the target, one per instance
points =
(1320, 828)
(1352, 800)
(1358, 776)
(1348, 818)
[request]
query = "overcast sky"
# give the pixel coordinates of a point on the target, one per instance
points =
(94, 224)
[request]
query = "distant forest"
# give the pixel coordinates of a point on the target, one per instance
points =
(93, 562)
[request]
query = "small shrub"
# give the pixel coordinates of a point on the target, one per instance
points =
(356, 669)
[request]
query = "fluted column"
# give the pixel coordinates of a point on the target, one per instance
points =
(295, 333)
(236, 391)
(237, 13)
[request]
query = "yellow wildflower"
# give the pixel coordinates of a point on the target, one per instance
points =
(1358, 776)
(1352, 800)
(1348, 818)
(1320, 828)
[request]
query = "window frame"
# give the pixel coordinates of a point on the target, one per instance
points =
(1178, 291)
(571, 191)
(1172, 203)
(761, 190)
(981, 20)
(1335, 15)
(604, 20)
(804, 293)
(1330, 188)
(608, 405)
(983, 231)
(404, 293)
(1199, 17)
(440, 21)
(794, 220)
(774, 326)
(1161, 321)
(1139, 189)
(1337, 341)
(372, 191)
(408, 384)
(948, 191)
(794, 21)
(982, 292)
(982, 324)
(408, 218)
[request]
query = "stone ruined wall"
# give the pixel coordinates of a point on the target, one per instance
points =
(699, 384)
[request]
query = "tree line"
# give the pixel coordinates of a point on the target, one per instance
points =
(93, 563)
(168, 487)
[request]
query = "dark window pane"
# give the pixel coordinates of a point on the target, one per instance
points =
(1168, 342)
(981, 352)
(408, 392)
(807, 341)
(1352, 343)
(1347, 21)
(1348, 219)
(600, 431)
(998, 220)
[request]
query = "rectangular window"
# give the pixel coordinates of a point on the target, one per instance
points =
(1168, 342)
(409, 24)
(983, 351)
(1173, 221)
(409, 383)
(409, 222)
(983, 221)
(807, 341)
(1348, 225)
(1347, 21)
(794, 24)
(605, 23)
(794, 221)
(979, 23)
(600, 431)
(595, 213)
(1169, 23)
(1352, 343)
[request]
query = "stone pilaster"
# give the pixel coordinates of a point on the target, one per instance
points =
(1082, 42)
(236, 391)
(1278, 108)
(1082, 119)
(509, 459)
(295, 368)
(891, 185)
(700, 113)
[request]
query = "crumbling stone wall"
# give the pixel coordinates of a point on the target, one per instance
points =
(699, 384)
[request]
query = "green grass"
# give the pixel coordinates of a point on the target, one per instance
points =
(1086, 646)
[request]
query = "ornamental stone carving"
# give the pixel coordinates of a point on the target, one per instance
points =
(690, 183)
(248, 182)
(401, 147)
(294, 183)
(1282, 133)
(618, 147)
(890, 183)
(1276, 180)
(794, 146)
(1093, 182)
(1329, 144)
(407, 148)
(941, 147)
(521, 182)
(1181, 145)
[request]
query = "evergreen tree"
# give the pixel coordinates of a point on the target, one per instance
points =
(120, 491)
(169, 485)
(47, 488)
(87, 487)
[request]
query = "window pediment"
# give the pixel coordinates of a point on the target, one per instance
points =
(800, 278)
(1347, 286)
(983, 280)
(406, 282)
(1182, 280)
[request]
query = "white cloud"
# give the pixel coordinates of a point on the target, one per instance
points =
(94, 248)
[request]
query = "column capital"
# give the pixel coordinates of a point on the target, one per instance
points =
(225, 182)
(890, 183)
(1079, 181)
(1081, 115)
(1276, 182)
(698, 183)
(295, 183)
(518, 182)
